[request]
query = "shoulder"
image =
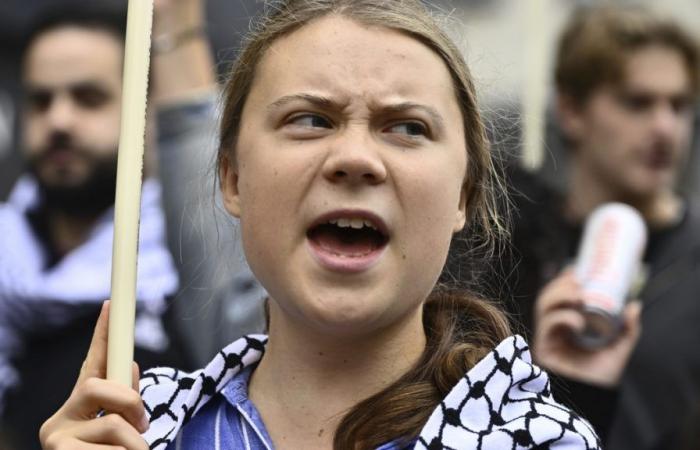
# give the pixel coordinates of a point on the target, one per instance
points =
(11, 222)
(505, 401)
(172, 397)
(11, 215)
(678, 242)
(21, 253)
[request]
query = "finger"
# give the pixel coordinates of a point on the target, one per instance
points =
(74, 444)
(111, 429)
(631, 316)
(563, 291)
(98, 447)
(559, 324)
(95, 364)
(135, 376)
(569, 271)
(96, 394)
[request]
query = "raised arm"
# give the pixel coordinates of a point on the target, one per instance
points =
(205, 245)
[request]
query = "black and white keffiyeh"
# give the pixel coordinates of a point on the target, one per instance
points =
(33, 298)
(503, 402)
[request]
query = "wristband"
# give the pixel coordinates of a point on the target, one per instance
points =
(168, 42)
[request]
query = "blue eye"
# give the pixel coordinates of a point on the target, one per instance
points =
(311, 121)
(412, 129)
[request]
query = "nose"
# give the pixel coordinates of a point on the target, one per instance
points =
(61, 113)
(355, 158)
(665, 121)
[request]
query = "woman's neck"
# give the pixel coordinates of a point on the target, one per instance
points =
(308, 381)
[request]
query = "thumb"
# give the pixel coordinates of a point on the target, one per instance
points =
(135, 376)
(95, 364)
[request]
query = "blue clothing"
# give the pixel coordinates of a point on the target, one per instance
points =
(230, 421)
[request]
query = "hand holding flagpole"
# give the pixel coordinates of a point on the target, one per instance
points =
(120, 352)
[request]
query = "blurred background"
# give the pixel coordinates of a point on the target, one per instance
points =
(508, 44)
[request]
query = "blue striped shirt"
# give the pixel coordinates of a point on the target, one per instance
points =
(230, 421)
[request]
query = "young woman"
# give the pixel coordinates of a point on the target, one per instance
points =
(351, 151)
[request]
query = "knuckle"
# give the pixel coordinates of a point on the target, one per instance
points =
(113, 426)
(50, 435)
(52, 441)
(90, 387)
(134, 401)
(70, 444)
(113, 422)
(45, 431)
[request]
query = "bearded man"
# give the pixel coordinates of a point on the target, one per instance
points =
(56, 227)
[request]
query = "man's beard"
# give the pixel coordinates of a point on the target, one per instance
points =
(91, 196)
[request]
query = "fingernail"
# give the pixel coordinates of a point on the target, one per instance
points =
(145, 424)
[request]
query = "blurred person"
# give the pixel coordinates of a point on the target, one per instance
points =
(627, 85)
(350, 171)
(219, 299)
(56, 228)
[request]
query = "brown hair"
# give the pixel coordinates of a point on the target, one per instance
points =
(460, 328)
(595, 44)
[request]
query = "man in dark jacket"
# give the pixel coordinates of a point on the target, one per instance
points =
(627, 84)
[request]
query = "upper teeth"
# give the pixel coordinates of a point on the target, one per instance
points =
(352, 223)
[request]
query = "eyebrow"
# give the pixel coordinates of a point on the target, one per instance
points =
(79, 85)
(318, 100)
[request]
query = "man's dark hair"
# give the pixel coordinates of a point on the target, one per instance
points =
(108, 16)
(597, 42)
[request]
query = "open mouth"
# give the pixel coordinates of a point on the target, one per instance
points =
(348, 243)
(659, 160)
(348, 237)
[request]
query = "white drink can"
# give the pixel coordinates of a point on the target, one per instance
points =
(609, 259)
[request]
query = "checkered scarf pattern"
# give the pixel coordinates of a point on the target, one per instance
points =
(503, 402)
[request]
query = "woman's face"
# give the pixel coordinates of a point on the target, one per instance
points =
(348, 175)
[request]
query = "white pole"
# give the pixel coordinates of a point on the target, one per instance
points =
(120, 349)
(534, 96)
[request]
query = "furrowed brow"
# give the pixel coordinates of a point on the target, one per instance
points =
(316, 100)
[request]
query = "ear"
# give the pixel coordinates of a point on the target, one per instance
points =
(461, 217)
(228, 179)
(570, 116)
